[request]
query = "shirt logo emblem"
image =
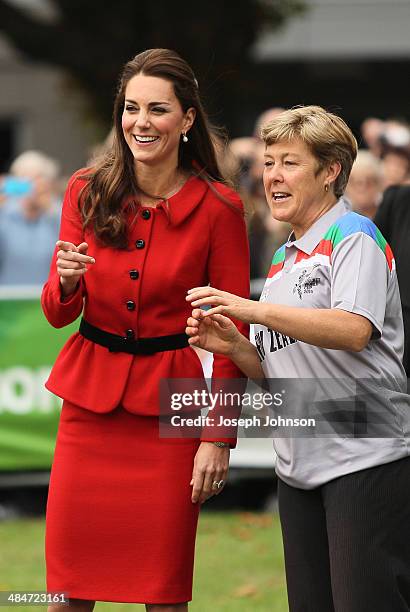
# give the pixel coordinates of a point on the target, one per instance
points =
(306, 283)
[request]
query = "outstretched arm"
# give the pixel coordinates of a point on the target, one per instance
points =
(330, 328)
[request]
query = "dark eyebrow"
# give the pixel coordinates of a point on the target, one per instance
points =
(151, 103)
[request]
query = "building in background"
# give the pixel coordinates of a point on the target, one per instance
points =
(37, 110)
(352, 56)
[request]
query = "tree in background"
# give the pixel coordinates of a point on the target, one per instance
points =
(92, 40)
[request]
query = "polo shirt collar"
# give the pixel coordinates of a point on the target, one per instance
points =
(309, 241)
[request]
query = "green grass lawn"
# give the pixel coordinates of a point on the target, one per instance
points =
(239, 563)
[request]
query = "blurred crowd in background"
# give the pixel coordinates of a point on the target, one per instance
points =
(31, 194)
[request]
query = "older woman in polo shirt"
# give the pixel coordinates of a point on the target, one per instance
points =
(330, 309)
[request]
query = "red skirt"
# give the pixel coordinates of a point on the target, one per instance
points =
(120, 523)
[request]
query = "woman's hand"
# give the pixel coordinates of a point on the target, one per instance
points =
(72, 263)
(211, 467)
(216, 334)
(223, 303)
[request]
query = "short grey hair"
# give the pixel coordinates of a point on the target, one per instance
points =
(35, 163)
(365, 160)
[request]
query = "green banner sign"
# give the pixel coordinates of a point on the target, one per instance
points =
(28, 412)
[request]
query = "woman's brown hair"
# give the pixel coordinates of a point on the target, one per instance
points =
(113, 179)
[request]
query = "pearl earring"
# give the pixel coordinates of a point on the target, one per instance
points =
(184, 137)
(326, 187)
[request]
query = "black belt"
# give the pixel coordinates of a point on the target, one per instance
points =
(122, 344)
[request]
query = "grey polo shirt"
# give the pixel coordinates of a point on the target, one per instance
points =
(341, 262)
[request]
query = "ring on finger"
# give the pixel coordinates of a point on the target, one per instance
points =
(218, 484)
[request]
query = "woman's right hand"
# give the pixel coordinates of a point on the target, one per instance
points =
(72, 262)
(215, 333)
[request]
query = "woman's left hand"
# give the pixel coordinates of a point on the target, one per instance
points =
(211, 467)
(223, 303)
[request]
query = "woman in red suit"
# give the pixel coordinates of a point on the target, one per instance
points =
(140, 228)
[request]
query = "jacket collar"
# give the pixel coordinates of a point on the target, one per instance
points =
(179, 206)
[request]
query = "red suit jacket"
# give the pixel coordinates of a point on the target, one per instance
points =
(197, 239)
